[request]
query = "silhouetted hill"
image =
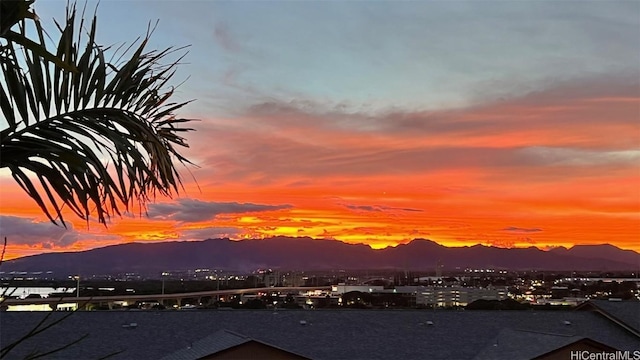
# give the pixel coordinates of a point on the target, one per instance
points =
(310, 254)
(603, 251)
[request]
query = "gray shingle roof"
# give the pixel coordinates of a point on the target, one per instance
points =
(519, 344)
(627, 311)
(220, 340)
(328, 334)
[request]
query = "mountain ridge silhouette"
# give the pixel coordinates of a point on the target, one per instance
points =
(304, 253)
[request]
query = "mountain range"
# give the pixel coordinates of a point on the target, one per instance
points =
(311, 254)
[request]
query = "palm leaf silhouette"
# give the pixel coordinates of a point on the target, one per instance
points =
(98, 139)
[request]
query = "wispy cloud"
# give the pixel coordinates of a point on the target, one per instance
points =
(192, 210)
(521, 230)
(224, 39)
(29, 231)
(549, 127)
(378, 208)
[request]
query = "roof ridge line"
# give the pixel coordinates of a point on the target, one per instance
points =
(546, 333)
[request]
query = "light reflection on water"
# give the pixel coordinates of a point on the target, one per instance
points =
(23, 292)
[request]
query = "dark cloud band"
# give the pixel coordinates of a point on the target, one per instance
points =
(192, 210)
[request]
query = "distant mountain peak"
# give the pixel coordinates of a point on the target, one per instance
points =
(305, 253)
(594, 246)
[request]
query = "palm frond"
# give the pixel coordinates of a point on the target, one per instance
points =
(13, 12)
(104, 136)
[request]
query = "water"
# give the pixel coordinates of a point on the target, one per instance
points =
(23, 292)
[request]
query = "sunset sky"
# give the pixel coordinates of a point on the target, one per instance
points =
(511, 123)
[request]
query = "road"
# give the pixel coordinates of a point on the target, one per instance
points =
(156, 297)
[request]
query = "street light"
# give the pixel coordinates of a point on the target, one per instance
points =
(77, 277)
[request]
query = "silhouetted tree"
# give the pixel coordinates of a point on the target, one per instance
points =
(97, 139)
(80, 130)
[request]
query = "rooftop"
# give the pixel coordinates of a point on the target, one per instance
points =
(326, 334)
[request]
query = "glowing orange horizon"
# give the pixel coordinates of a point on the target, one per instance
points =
(491, 179)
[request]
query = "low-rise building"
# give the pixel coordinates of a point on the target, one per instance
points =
(458, 295)
(344, 288)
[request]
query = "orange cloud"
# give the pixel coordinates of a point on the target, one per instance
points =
(562, 161)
